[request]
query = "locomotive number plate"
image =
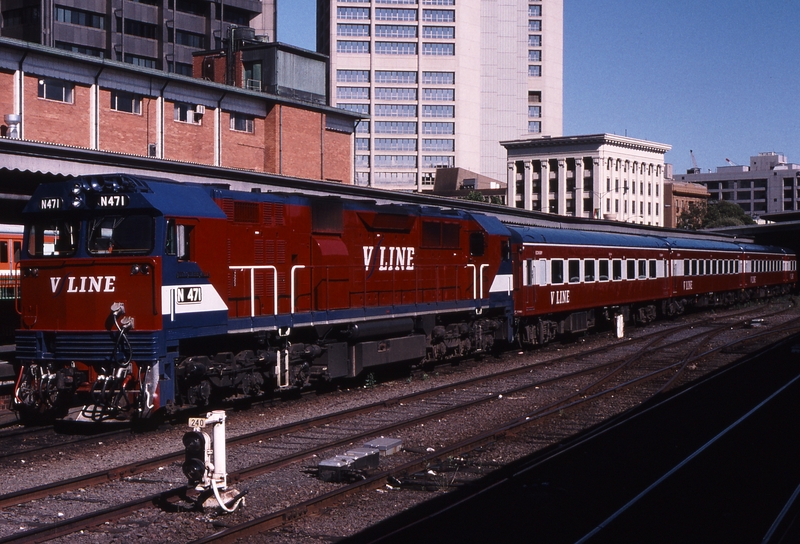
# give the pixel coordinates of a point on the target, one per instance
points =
(53, 203)
(112, 201)
(189, 295)
(197, 422)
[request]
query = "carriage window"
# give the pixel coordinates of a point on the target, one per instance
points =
(642, 270)
(55, 239)
(653, 269)
(694, 267)
(132, 234)
(574, 271)
(603, 270)
(617, 270)
(588, 270)
(557, 271)
(631, 269)
(179, 240)
(3, 252)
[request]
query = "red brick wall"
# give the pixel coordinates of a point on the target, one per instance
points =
(243, 149)
(301, 142)
(56, 122)
(186, 141)
(125, 132)
(6, 98)
(338, 157)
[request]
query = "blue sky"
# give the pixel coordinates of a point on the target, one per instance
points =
(719, 78)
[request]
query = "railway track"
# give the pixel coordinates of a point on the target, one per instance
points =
(593, 382)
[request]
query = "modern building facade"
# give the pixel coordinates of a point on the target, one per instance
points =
(597, 175)
(156, 34)
(769, 184)
(443, 81)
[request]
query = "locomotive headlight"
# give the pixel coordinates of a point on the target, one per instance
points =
(96, 184)
(77, 188)
(135, 269)
(78, 201)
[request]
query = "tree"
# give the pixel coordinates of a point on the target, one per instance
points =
(475, 195)
(718, 213)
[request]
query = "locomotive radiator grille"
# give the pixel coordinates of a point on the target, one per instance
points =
(85, 347)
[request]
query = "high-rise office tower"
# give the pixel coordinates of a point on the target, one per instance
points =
(443, 81)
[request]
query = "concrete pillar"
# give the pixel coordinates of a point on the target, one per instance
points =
(562, 187)
(579, 187)
(544, 185)
(511, 188)
(527, 196)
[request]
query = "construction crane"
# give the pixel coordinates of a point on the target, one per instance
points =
(694, 169)
(730, 162)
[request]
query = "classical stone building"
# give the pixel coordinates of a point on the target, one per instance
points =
(598, 175)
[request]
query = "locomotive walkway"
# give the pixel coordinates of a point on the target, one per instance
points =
(714, 461)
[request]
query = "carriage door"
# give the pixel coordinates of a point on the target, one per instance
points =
(532, 269)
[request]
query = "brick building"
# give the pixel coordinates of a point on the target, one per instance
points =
(60, 97)
(679, 196)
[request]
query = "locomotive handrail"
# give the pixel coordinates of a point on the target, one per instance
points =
(475, 281)
(294, 268)
(252, 269)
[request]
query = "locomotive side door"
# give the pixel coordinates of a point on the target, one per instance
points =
(532, 269)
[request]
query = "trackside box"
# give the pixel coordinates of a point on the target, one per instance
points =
(387, 446)
(337, 468)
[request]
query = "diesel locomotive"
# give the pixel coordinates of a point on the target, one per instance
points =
(142, 296)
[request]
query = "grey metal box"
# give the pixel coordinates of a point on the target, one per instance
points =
(387, 446)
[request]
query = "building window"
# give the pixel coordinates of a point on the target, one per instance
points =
(242, 123)
(535, 55)
(395, 161)
(395, 110)
(438, 145)
(438, 128)
(382, 14)
(395, 127)
(535, 40)
(439, 15)
(362, 161)
(79, 17)
(432, 161)
(362, 144)
(439, 94)
(356, 108)
(534, 111)
(534, 26)
(126, 102)
(189, 39)
(395, 31)
(439, 78)
(138, 28)
(56, 89)
(83, 50)
(352, 93)
(362, 127)
(352, 76)
(438, 2)
(439, 111)
(352, 13)
(439, 32)
(439, 49)
(194, 7)
(352, 30)
(144, 62)
(185, 113)
(534, 127)
(343, 46)
(535, 11)
(535, 70)
(395, 93)
(395, 48)
(395, 144)
(182, 68)
(383, 76)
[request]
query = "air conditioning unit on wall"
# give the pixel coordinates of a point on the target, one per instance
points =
(200, 109)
